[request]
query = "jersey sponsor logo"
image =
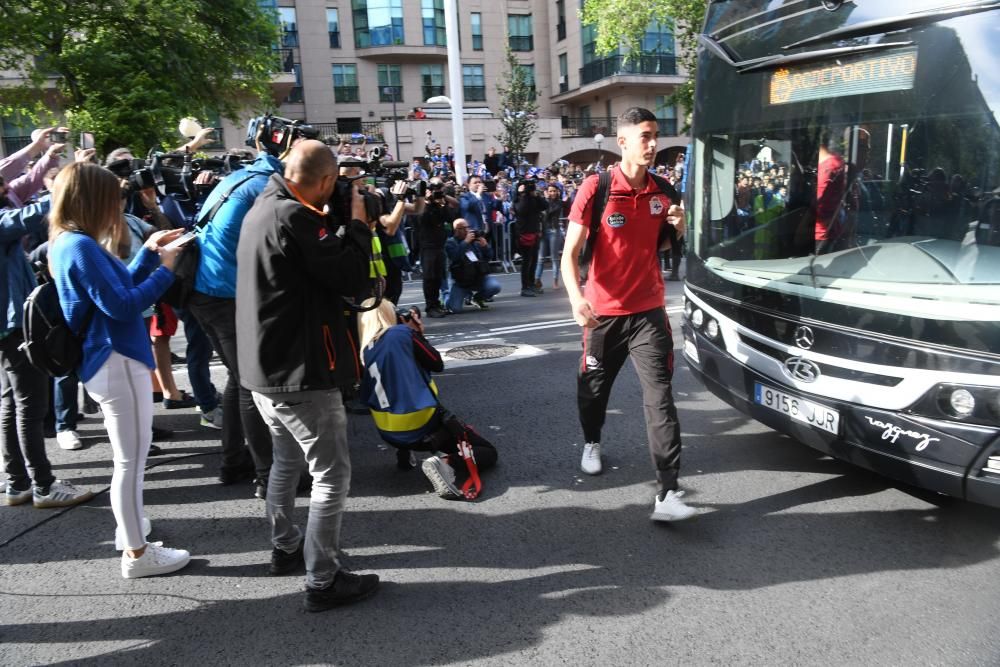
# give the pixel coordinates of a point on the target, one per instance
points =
(616, 220)
(655, 206)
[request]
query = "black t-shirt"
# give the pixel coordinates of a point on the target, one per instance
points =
(431, 228)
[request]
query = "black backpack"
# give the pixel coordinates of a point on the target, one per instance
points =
(49, 343)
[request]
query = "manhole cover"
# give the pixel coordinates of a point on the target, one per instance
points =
(482, 351)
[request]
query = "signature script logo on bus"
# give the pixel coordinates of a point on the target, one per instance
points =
(891, 432)
(801, 369)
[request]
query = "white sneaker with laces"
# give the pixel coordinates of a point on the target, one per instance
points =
(591, 461)
(61, 494)
(441, 476)
(157, 559)
(69, 440)
(147, 528)
(672, 508)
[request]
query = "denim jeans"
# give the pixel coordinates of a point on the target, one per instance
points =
(489, 288)
(65, 397)
(309, 426)
(199, 355)
(24, 400)
(240, 417)
(551, 246)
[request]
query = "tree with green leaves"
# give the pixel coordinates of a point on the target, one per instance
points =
(621, 24)
(129, 70)
(517, 108)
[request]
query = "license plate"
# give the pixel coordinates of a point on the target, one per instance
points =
(797, 408)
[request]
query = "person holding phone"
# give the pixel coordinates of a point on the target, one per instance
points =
(16, 188)
(94, 286)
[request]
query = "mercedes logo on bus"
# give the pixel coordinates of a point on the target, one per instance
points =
(804, 337)
(801, 369)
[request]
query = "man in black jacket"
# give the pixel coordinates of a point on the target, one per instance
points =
(294, 355)
(433, 234)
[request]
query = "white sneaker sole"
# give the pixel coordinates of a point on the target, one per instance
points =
(441, 486)
(135, 573)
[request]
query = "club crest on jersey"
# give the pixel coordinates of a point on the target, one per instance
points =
(323, 233)
(616, 220)
(655, 206)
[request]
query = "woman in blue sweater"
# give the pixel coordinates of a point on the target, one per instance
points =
(85, 226)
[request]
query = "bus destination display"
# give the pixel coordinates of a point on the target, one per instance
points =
(870, 74)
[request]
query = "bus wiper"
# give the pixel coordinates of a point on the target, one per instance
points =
(725, 55)
(824, 54)
(894, 23)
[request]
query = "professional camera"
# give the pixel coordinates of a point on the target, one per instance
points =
(405, 314)
(277, 133)
(384, 173)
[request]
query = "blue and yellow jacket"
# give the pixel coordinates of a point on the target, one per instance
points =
(397, 386)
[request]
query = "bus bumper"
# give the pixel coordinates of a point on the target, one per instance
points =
(940, 456)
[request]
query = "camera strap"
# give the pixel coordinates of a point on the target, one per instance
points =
(473, 486)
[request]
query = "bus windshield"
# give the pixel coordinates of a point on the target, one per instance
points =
(876, 167)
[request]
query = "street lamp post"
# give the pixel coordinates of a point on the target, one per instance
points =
(391, 90)
(598, 139)
(458, 134)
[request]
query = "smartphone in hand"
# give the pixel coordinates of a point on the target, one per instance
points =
(181, 240)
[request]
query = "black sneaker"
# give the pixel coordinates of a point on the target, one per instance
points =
(436, 312)
(527, 291)
(232, 475)
(346, 588)
(185, 401)
(480, 303)
(260, 488)
(283, 562)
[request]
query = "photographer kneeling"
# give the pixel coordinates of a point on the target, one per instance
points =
(403, 400)
(469, 255)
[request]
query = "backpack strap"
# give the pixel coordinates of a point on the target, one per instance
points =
(597, 206)
(207, 218)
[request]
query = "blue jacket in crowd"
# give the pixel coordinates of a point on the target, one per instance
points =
(89, 278)
(476, 211)
(218, 239)
(16, 277)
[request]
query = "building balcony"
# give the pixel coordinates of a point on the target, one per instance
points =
(588, 127)
(618, 65)
(636, 72)
(348, 131)
(409, 53)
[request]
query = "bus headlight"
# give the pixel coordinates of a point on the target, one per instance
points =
(712, 329)
(697, 318)
(962, 402)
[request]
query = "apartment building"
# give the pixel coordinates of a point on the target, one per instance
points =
(361, 66)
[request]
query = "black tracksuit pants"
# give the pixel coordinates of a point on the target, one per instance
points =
(647, 338)
(432, 268)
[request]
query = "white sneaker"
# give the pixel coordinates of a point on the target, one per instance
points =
(69, 440)
(591, 461)
(441, 476)
(147, 528)
(61, 494)
(672, 508)
(157, 559)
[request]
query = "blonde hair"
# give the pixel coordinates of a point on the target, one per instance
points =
(87, 198)
(375, 322)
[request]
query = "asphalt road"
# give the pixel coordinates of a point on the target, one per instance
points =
(794, 559)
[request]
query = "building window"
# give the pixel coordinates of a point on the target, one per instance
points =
(588, 35)
(563, 73)
(333, 28)
(289, 29)
(345, 83)
(431, 81)
(474, 83)
(476, 21)
(377, 22)
(295, 95)
(529, 78)
(519, 32)
(560, 20)
(390, 76)
(432, 13)
(659, 39)
(666, 117)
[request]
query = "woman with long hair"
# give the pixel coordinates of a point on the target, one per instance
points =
(86, 229)
(403, 401)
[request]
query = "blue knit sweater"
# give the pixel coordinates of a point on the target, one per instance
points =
(87, 275)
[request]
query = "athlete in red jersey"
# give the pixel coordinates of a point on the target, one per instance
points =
(622, 309)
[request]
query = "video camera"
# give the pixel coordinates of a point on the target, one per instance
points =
(172, 173)
(276, 134)
(384, 173)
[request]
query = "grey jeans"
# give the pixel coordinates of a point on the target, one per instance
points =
(309, 425)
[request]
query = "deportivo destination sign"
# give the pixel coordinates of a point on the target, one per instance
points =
(869, 74)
